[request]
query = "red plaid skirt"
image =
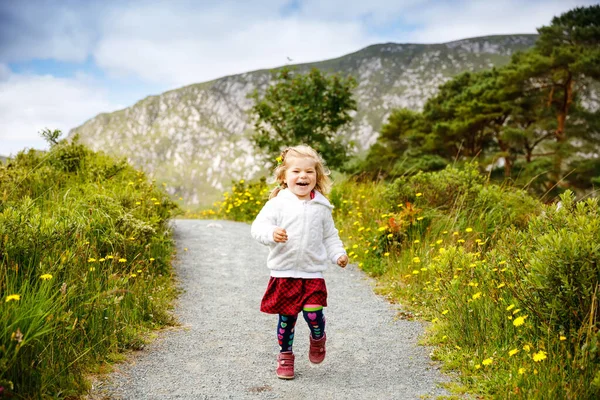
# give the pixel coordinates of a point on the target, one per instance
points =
(288, 296)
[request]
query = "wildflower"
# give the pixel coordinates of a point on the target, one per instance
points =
(455, 233)
(478, 366)
(46, 277)
(526, 348)
(519, 321)
(13, 297)
(417, 241)
(539, 356)
(102, 259)
(151, 258)
(510, 307)
(469, 230)
(522, 371)
(139, 271)
(439, 241)
(91, 259)
(562, 338)
(137, 203)
(516, 311)
(513, 352)
(419, 194)
(457, 347)
(445, 232)
(445, 312)
(389, 236)
(122, 260)
(488, 361)
(109, 257)
(386, 254)
(500, 286)
(92, 269)
(415, 272)
(476, 295)
(185, 249)
(133, 275)
(502, 262)
(416, 260)
(460, 240)
(355, 246)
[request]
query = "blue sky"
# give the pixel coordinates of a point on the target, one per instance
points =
(64, 62)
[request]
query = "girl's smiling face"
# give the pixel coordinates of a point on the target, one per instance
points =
(300, 176)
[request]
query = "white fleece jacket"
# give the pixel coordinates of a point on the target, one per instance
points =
(312, 241)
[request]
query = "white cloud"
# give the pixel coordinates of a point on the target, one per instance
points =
(30, 103)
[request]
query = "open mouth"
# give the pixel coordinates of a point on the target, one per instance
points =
(302, 183)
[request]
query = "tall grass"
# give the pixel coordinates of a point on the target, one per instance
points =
(85, 254)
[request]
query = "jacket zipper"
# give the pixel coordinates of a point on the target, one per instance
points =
(302, 241)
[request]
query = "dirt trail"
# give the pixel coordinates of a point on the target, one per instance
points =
(227, 348)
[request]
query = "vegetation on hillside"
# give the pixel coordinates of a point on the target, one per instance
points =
(85, 271)
(527, 121)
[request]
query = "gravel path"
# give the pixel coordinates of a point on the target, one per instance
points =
(226, 348)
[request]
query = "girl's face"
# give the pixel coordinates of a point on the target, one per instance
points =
(300, 176)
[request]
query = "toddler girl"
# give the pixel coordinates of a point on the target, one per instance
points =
(297, 225)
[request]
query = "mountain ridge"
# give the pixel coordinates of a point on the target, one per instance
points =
(196, 138)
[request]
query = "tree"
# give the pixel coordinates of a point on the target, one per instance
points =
(565, 55)
(306, 108)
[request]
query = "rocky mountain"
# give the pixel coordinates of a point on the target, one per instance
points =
(195, 139)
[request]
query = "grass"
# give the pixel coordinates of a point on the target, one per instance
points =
(85, 253)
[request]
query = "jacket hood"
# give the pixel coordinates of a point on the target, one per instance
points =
(319, 198)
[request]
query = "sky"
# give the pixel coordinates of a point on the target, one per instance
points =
(63, 62)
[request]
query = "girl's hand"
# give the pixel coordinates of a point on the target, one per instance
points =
(280, 235)
(342, 261)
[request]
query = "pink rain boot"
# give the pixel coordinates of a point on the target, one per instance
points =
(316, 353)
(285, 365)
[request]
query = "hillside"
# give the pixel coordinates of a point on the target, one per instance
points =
(195, 138)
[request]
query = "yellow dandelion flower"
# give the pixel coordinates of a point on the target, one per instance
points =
(513, 352)
(516, 311)
(280, 160)
(510, 307)
(137, 203)
(488, 361)
(46, 277)
(478, 366)
(562, 338)
(522, 371)
(415, 272)
(109, 257)
(445, 312)
(151, 258)
(386, 254)
(355, 246)
(519, 321)
(389, 236)
(433, 321)
(500, 286)
(539, 356)
(420, 218)
(382, 228)
(185, 249)
(502, 262)
(122, 260)
(419, 194)
(476, 296)
(139, 271)
(91, 259)
(457, 347)
(416, 260)
(133, 275)
(92, 269)
(445, 232)
(102, 259)
(12, 297)
(469, 230)
(461, 240)
(439, 241)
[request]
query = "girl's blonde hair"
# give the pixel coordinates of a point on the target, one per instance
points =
(323, 184)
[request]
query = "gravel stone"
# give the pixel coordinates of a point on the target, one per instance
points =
(226, 348)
